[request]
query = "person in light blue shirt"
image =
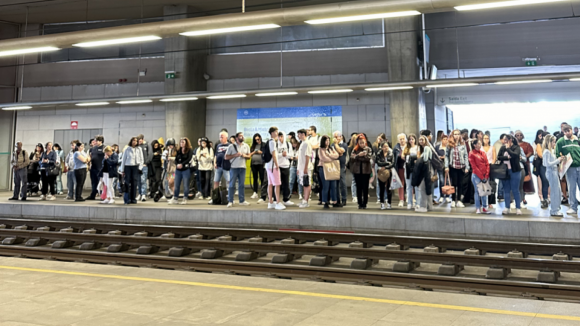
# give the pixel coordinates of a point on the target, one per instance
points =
(80, 166)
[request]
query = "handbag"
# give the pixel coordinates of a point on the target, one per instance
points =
(331, 170)
(447, 189)
(484, 189)
(396, 181)
(53, 171)
(384, 175)
(499, 171)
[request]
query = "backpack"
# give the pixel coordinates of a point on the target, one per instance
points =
(266, 154)
(227, 164)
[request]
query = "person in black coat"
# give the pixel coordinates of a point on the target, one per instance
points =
(155, 168)
(385, 160)
(510, 154)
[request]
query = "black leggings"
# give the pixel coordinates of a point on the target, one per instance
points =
(80, 176)
(385, 185)
(257, 174)
(155, 181)
(48, 181)
(456, 177)
(362, 188)
(132, 177)
(205, 183)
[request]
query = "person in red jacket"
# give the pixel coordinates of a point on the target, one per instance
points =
(480, 166)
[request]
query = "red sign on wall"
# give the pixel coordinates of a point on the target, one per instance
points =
(74, 125)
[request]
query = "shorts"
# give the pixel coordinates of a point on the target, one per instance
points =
(273, 177)
(218, 175)
(304, 180)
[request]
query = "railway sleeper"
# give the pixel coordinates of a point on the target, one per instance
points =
(517, 254)
(450, 269)
(179, 251)
(147, 250)
(396, 246)
(212, 253)
(474, 252)
(497, 273)
(36, 242)
(22, 227)
(434, 249)
(561, 256)
(44, 229)
(90, 245)
(322, 260)
(61, 244)
(325, 243)
(363, 263)
(91, 231)
(259, 239)
(289, 241)
(12, 240)
(249, 255)
(5, 226)
(284, 258)
(548, 276)
(359, 244)
(118, 247)
(405, 266)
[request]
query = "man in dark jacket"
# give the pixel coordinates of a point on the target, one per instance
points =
(97, 155)
(147, 157)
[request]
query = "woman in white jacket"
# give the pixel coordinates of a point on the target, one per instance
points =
(205, 157)
(132, 165)
(551, 163)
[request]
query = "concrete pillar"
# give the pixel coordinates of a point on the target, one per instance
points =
(187, 56)
(407, 107)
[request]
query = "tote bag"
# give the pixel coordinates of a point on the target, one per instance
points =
(396, 181)
(447, 189)
(331, 170)
(484, 189)
(498, 171)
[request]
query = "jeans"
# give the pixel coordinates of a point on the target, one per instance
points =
(20, 181)
(179, 176)
(545, 183)
(353, 187)
(293, 171)
(143, 182)
(329, 185)
(500, 191)
(512, 185)
(551, 176)
(218, 175)
(238, 174)
(476, 180)
(80, 176)
(132, 180)
(59, 183)
(441, 175)
(362, 190)
(377, 179)
(410, 192)
(205, 177)
(94, 174)
(341, 189)
(198, 180)
(573, 179)
(71, 183)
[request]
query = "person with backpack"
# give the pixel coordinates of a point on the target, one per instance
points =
(19, 164)
(237, 154)
(270, 156)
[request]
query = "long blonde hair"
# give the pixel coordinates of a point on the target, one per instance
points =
(547, 143)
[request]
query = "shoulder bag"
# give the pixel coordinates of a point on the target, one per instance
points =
(498, 170)
(331, 170)
(447, 189)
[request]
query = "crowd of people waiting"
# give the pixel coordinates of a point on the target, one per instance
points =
(466, 166)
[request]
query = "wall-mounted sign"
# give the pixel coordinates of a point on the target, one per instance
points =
(74, 125)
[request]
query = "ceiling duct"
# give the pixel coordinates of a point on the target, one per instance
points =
(282, 17)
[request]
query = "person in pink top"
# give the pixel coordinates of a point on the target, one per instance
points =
(479, 163)
(326, 154)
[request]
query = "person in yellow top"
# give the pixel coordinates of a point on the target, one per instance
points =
(540, 169)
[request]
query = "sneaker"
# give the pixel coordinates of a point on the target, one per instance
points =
(112, 201)
(409, 206)
(485, 211)
(138, 198)
(210, 201)
(172, 201)
(565, 201)
(304, 204)
(505, 211)
(52, 198)
(289, 203)
(513, 205)
(523, 205)
(355, 200)
(325, 206)
(12, 198)
(300, 197)
(230, 205)
(254, 196)
(260, 201)
(518, 212)
(201, 198)
(198, 195)
(421, 210)
(383, 207)
(559, 214)
(460, 204)
(143, 198)
(106, 201)
(60, 193)
(452, 204)
(478, 211)
(183, 202)
(42, 197)
(570, 211)
(401, 203)
(68, 197)
(448, 200)
(245, 203)
(441, 200)
(280, 206)
(378, 201)
(80, 199)
(388, 206)
(236, 192)
(271, 205)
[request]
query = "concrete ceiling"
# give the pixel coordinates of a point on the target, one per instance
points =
(62, 11)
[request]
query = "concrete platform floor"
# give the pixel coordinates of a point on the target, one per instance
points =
(40, 292)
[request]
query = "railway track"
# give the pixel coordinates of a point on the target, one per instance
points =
(379, 260)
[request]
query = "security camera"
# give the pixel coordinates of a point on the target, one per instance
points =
(206, 76)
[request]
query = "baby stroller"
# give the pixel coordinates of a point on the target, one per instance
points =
(34, 184)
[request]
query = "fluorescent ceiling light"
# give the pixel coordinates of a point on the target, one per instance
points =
(25, 51)
(178, 99)
(229, 30)
(134, 101)
(452, 85)
(524, 82)
(330, 91)
(363, 17)
(92, 103)
(396, 88)
(574, 79)
(217, 97)
(504, 4)
(118, 41)
(10, 108)
(277, 94)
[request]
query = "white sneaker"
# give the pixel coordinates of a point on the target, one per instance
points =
(201, 198)
(478, 211)
(570, 211)
(172, 201)
(198, 194)
(300, 197)
(280, 206)
(452, 204)
(383, 206)
(112, 201)
(289, 203)
(505, 211)
(183, 202)
(355, 200)
(409, 206)
(522, 205)
(106, 201)
(513, 205)
(42, 197)
(448, 199)
(230, 205)
(388, 206)
(260, 201)
(401, 203)
(421, 210)
(254, 196)
(460, 204)
(236, 192)
(52, 198)
(441, 200)
(518, 212)
(143, 198)
(210, 201)
(245, 203)
(378, 201)
(271, 206)
(68, 197)
(304, 204)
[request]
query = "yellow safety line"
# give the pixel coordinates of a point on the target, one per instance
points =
(301, 293)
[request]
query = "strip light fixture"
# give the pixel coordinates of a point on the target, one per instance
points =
(363, 17)
(330, 91)
(217, 97)
(178, 99)
(524, 82)
(25, 51)
(574, 79)
(117, 41)
(92, 104)
(397, 88)
(452, 85)
(134, 101)
(230, 30)
(12, 108)
(277, 94)
(504, 4)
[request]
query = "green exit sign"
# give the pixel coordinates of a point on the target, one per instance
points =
(170, 75)
(531, 61)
